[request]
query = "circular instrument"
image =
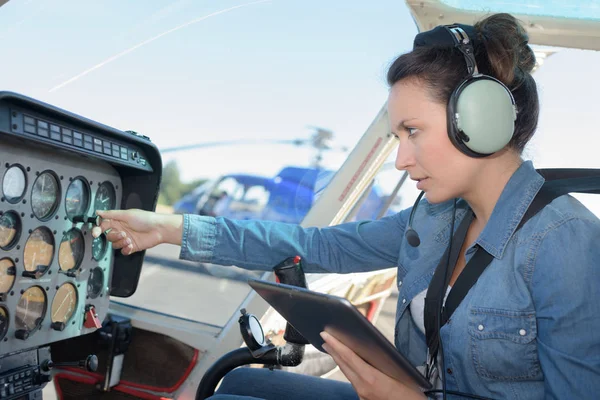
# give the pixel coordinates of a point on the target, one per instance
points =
(99, 246)
(95, 282)
(251, 330)
(77, 198)
(105, 197)
(3, 322)
(10, 229)
(39, 250)
(71, 250)
(64, 303)
(45, 195)
(7, 274)
(14, 183)
(31, 309)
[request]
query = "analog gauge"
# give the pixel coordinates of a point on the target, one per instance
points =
(39, 250)
(7, 274)
(10, 229)
(77, 199)
(13, 184)
(71, 249)
(45, 195)
(95, 282)
(64, 303)
(3, 322)
(31, 309)
(99, 247)
(105, 197)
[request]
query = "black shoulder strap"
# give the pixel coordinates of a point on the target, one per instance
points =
(557, 182)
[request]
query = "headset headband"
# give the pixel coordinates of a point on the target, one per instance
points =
(463, 37)
(462, 41)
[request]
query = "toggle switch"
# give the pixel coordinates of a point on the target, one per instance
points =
(91, 318)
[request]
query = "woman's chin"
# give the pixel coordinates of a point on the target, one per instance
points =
(434, 197)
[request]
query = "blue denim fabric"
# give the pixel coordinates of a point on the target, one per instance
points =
(260, 383)
(528, 329)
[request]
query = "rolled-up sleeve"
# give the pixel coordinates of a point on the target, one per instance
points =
(259, 245)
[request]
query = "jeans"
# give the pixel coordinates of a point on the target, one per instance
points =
(261, 383)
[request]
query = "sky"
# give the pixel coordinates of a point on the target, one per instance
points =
(191, 71)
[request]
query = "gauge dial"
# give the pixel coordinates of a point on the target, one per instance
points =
(10, 229)
(77, 199)
(99, 246)
(3, 322)
(64, 303)
(7, 274)
(45, 195)
(14, 183)
(95, 282)
(31, 309)
(71, 250)
(39, 250)
(105, 197)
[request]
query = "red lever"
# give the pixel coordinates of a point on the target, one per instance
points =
(91, 319)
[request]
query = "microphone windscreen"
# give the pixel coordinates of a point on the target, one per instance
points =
(412, 237)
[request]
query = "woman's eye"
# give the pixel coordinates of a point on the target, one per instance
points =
(411, 131)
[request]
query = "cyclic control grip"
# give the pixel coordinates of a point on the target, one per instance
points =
(290, 272)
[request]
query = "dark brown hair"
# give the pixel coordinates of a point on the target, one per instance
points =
(501, 51)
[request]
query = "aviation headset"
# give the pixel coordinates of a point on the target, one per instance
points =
(481, 111)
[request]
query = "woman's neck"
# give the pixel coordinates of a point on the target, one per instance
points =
(489, 184)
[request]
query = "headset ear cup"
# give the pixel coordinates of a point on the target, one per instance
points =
(454, 133)
(483, 115)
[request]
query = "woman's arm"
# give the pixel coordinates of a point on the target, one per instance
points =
(260, 245)
(351, 247)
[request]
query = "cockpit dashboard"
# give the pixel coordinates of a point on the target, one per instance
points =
(56, 170)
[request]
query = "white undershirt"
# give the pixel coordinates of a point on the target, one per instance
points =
(417, 310)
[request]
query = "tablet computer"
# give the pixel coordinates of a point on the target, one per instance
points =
(311, 313)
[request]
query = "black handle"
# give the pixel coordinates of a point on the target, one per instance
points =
(290, 272)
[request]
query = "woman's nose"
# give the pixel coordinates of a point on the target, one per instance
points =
(405, 156)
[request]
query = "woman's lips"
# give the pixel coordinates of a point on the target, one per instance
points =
(421, 182)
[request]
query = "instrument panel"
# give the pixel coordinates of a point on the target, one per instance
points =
(56, 169)
(52, 271)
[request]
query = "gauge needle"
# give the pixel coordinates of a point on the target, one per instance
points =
(34, 257)
(61, 304)
(26, 308)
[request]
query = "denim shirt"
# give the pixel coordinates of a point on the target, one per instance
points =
(528, 329)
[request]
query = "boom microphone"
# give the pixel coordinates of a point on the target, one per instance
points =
(412, 237)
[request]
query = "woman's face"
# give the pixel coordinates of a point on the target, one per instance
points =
(425, 150)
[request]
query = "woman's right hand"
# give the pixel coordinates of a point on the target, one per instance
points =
(136, 230)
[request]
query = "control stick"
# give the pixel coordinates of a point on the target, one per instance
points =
(259, 350)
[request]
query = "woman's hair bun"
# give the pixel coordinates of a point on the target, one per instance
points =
(507, 46)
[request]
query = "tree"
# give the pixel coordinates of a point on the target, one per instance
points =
(171, 187)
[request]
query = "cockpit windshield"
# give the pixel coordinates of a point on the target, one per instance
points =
(581, 9)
